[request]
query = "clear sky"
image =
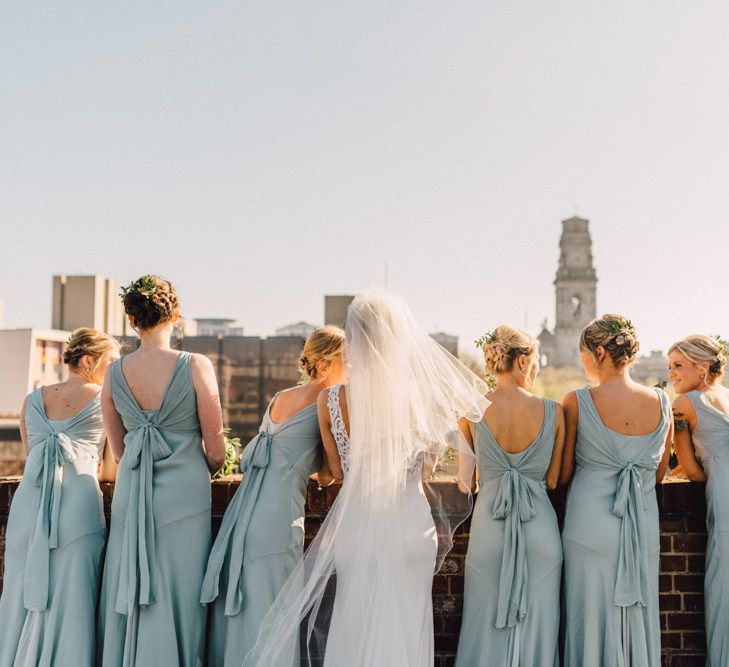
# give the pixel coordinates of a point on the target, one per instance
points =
(263, 154)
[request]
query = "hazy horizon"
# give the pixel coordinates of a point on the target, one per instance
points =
(263, 155)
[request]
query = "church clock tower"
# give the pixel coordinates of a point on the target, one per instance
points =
(575, 291)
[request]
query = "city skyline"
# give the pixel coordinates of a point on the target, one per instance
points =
(263, 156)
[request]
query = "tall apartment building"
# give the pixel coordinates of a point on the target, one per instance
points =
(335, 308)
(88, 301)
(28, 358)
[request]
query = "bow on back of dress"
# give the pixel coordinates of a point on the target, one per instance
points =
(517, 474)
(52, 444)
(618, 452)
(144, 444)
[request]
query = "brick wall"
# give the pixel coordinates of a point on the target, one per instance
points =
(683, 541)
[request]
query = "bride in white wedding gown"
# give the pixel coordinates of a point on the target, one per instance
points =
(413, 622)
(391, 524)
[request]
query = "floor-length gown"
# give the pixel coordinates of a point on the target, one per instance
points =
(514, 560)
(54, 540)
(150, 611)
(412, 620)
(261, 538)
(711, 439)
(611, 544)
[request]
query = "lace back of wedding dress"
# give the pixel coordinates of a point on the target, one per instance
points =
(339, 431)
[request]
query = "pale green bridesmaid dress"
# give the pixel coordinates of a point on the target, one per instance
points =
(514, 560)
(150, 613)
(261, 538)
(54, 540)
(611, 544)
(711, 439)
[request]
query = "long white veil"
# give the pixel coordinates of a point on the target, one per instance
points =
(405, 396)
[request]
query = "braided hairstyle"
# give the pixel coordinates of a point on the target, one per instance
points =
(616, 334)
(504, 345)
(150, 300)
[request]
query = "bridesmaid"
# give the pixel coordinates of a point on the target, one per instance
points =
(514, 561)
(261, 538)
(157, 403)
(56, 528)
(617, 444)
(701, 410)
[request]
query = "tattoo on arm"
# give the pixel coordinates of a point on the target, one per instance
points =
(680, 423)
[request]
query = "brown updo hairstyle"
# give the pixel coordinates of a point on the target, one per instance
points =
(703, 350)
(150, 300)
(322, 344)
(85, 342)
(616, 334)
(504, 345)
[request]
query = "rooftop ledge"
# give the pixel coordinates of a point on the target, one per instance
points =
(674, 495)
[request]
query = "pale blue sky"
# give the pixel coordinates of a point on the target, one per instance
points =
(263, 154)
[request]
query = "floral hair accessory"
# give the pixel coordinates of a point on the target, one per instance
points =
(622, 325)
(723, 344)
(144, 286)
(488, 338)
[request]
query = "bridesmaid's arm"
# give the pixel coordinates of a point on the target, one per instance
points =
(21, 427)
(571, 415)
(684, 419)
(107, 467)
(209, 411)
(663, 465)
(113, 425)
(331, 467)
(465, 461)
(555, 463)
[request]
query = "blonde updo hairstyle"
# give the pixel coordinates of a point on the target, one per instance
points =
(505, 344)
(703, 350)
(87, 342)
(615, 334)
(322, 344)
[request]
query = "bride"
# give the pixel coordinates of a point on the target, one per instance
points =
(386, 433)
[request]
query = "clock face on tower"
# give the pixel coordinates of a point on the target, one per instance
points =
(576, 305)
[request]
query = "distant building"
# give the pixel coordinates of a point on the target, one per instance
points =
(335, 309)
(575, 291)
(650, 368)
(447, 341)
(302, 329)
(220, 326)
(88, 301)
(28, 358)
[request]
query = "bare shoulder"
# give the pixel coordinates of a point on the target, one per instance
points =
(569, 402)
(200, 361)
(682, 405)
(323, 397)
(201, 369)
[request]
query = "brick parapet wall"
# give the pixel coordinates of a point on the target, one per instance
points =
(683, 542)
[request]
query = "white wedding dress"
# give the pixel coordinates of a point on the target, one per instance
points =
(412, 619)
(388, 529)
